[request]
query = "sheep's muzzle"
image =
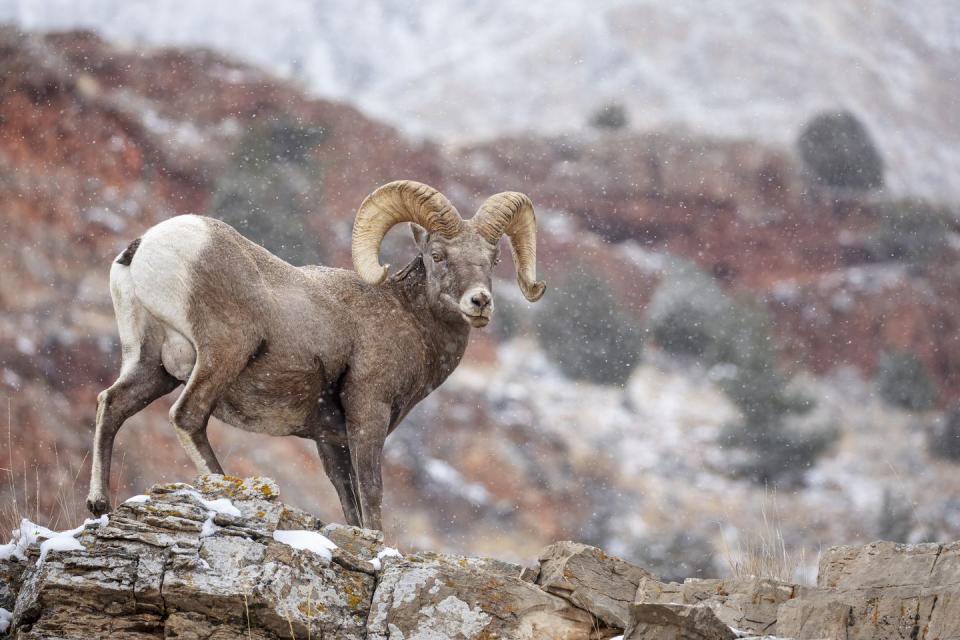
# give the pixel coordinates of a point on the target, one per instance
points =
(476, 306)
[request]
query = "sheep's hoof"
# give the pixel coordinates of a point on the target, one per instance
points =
(98, 505)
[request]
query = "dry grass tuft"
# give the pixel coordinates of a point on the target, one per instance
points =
(23, 490)
(762, 552)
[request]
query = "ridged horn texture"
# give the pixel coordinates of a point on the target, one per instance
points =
(512, 213)
(389, 205)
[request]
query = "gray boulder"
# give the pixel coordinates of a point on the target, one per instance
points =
(880, 590)
(675, 622)
(440, 597)
(602, 584)
(749, 604)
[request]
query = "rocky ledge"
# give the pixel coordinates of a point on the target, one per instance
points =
(225, 559)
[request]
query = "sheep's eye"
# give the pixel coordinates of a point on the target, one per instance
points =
(496, 261)
(438, 257)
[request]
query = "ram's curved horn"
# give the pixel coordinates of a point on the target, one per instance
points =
(391, 204)
(511, 213)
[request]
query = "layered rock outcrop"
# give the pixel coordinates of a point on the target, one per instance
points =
(882, 590)
(224, 559)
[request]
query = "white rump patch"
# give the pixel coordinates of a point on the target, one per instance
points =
(162, 266)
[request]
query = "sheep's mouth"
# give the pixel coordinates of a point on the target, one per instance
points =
(478, 321)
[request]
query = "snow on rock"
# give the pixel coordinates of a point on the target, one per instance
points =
(29, 534)
(209, 528)
(67, 540)
(60, 542)
(220, 505)
(23, 537)
(307, 541)
(388, 552)
(5, 620)
(140, 499)
(215, 506)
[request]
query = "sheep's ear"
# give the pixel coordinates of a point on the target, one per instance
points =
(420, 236)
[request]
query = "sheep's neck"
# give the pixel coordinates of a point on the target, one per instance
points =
(444, 333)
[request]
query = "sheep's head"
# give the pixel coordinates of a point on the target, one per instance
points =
(458, 254)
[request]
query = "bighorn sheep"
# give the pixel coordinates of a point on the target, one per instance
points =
(328, 354)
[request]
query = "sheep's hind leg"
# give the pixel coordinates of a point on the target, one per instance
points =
(198, 449)
(191, 412)
(139, 384)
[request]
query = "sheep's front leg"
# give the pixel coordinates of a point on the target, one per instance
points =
(368, 423)
(339, 468)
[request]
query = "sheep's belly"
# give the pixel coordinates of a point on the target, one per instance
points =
(277, 405)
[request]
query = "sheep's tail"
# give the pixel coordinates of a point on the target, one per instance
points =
(126, 257)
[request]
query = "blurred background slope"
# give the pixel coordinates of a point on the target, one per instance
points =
(748, 226)
(460, 70)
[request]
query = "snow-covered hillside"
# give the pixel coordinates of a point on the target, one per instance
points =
(459, 70)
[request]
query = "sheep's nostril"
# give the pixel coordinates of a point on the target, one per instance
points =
(480, 299)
